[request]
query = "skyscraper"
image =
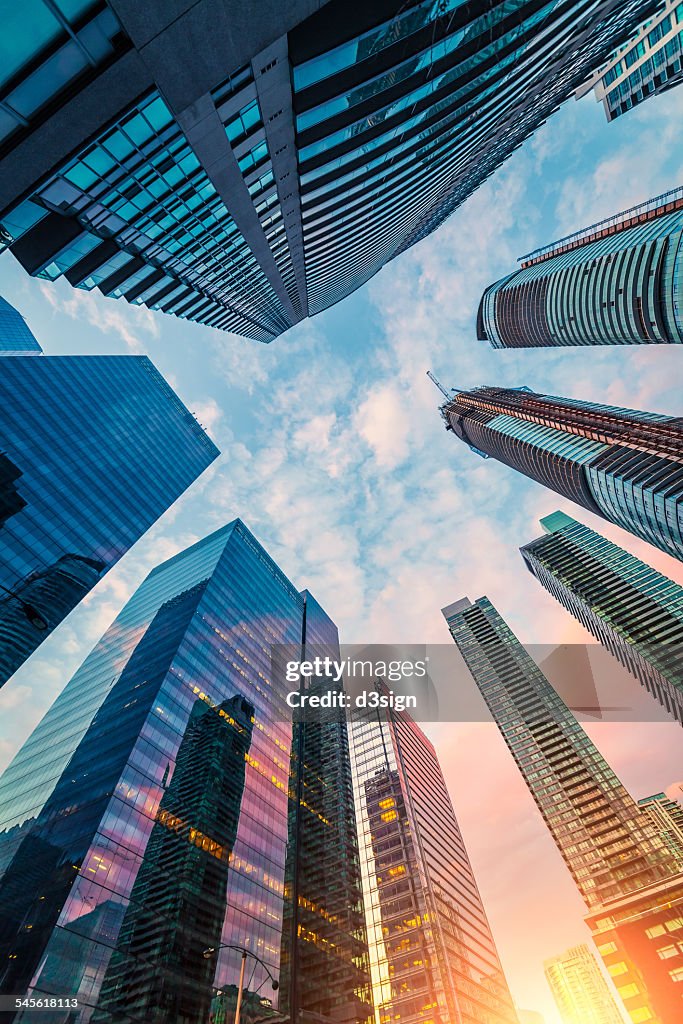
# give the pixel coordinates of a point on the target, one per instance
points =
(633, 610)
(648, 63)
(433, 957)
(15, 336)
(246, 166)
(667, 817)
(613, 283)
(628, 878)
(623, 465)
(324, 922)
(166, 925)
(94, 450)
(153, 802)
(579, 989)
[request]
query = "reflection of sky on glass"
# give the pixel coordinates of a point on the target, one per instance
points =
(334, 455)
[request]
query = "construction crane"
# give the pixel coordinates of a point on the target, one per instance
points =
(438, 383)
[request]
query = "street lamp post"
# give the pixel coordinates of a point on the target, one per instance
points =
(208, 953)
(240, 988)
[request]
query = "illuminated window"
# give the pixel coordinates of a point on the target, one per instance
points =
(637, 1016)
(617, 969)
(627, 991)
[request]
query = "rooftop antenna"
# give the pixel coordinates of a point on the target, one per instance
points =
(438, 383)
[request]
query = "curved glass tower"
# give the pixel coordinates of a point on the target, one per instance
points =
(248, 165)
(623, 465)
(614, 283)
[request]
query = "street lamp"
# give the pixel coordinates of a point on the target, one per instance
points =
(31, 613)
(208, 953)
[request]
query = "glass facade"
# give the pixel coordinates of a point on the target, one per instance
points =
(269, 183)
(579, 989)
(621, 464)
(48, 48)
(146, 821)
(667, 817)
(649, 63)
(15, 336)
(615, 283)
(324, 919)
(633, 610)
(627, 876)
(94, 450)
(433, 958)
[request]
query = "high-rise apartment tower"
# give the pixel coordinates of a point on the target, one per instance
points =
(579, 988)
(623, 465)
(633, 610)
(649, 62)
(627, 876)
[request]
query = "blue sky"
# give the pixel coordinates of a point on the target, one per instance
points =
(335, 456)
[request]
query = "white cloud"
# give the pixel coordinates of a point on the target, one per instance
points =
(208, 413)
(129, 323)
(381, 422)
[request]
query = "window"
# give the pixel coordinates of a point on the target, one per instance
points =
(634, 54)
(628, 991)
(666, 952)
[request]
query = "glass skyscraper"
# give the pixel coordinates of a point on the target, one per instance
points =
(94, 450)
(580, 991)
(433, 958)
(633, 610)
(648, 63)
(15, 335)
(628, 878)
(307, 146)
(324, 920)
(613, 283)
(623, 465)
(146, 822)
